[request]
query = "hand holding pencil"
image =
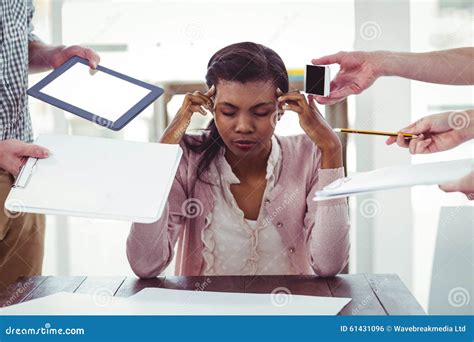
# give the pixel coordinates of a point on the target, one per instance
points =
(437, 132)
(433, 133)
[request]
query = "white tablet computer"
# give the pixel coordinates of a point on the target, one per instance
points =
(103, 96)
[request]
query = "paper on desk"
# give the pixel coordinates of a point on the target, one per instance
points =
(64, 303)
(396, 177)
(155, 301)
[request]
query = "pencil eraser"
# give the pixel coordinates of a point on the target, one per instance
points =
(317, 80)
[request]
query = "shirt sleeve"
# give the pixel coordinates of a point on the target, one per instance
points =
(30, 11)
(150, 247)
(328, 226)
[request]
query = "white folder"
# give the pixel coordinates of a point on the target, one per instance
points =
(97, 178)
(397, 177)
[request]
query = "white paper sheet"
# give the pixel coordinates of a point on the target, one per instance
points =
(161, 301)
(155, 301)
(97, 92)
(64, 303)
(396, 177)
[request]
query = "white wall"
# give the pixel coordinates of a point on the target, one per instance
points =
(383, 220)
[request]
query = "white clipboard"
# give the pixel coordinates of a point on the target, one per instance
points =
(97, 178)
(396, 177)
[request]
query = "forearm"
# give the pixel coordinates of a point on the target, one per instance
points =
(148, 250)
(443, 67)
(41, 56)
(331, 158)
(322, 135)
(329, 244)
(175, 131)
(330, 240)
(331, 150)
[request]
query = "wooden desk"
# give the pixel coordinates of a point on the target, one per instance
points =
(382, 294)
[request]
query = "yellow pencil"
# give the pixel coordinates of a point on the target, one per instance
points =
(361, 131)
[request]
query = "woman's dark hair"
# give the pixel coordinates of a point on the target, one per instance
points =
(240, 62)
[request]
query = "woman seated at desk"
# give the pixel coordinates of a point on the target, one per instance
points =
(242, 199)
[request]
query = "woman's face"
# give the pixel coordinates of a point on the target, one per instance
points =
(245, 116)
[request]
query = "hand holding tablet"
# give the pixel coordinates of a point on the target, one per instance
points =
(103, 96)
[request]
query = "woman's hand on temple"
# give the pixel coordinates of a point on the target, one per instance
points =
(314, 125)
(196, 102)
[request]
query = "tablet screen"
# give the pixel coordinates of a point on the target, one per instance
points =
(95, 91)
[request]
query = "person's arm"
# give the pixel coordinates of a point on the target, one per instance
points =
(150, 247)
(437, 132)
(464, 185)
(42, 57)
(441, 132)
(444, 67)
(315, 127)
(13, 154)
(359, 69)
(193, 103)
(327, 223)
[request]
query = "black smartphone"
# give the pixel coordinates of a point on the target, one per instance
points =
(316, 80)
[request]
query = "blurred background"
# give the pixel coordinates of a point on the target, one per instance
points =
(410, 232)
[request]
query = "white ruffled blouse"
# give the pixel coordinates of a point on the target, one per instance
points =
(234, 245)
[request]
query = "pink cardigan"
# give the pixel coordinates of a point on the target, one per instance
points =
(315, 234)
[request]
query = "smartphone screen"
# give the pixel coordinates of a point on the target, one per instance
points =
(314, 79)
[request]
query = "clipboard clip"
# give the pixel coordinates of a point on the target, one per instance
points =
(25, 173)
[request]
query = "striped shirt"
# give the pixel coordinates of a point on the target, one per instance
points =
(15, 35)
